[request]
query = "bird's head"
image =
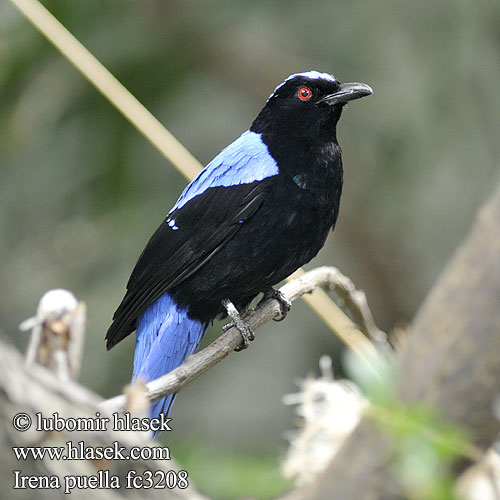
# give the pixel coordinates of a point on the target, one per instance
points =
(307, 105)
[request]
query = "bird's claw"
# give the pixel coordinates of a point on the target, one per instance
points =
(246, 332)
(283, 300)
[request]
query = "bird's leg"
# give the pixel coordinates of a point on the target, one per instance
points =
(284, 302)
(243, 327)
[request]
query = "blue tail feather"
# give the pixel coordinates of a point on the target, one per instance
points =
(166, 336)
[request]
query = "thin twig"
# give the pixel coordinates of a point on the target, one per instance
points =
(357, 303)
(199, 363)
(95, 72)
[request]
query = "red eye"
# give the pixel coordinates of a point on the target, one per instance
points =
(305, 94)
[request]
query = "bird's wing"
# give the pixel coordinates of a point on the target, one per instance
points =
(209, 212)
(244, 161)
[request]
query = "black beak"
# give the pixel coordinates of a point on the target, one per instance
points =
(348, 92)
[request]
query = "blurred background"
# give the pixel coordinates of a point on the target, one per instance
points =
(81, 191)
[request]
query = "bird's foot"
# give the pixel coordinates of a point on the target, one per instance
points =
(284, 302)
(243, 327)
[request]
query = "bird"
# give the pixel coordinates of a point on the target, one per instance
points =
(262, 208)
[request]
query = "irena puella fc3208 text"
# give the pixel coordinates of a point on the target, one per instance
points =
(258, 211)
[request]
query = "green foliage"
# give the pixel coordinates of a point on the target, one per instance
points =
(227, 476)
(424, 445)
(425, 448)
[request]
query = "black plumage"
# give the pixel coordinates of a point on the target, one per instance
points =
(235, 241)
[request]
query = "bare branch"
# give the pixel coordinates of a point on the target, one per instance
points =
(356, 302)
(36, 390)
(32, 388)
(199, 363)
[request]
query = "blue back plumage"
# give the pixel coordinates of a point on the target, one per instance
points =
(166, 336)
(244, 161)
